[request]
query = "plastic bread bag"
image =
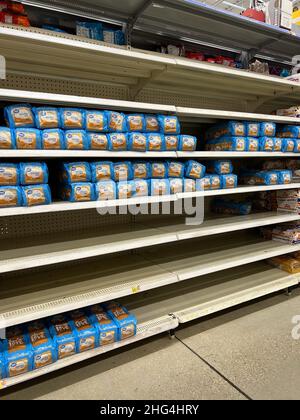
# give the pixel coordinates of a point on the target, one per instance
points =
(285, 177)
(252, 144)
(118, 142)
(267, 129)
(289, 131)
(277, 144)
(169, 124)
(231, 144)
(288, 145)
(43, 348)
(123, 171)
(101, 171)
(176, 185)
(216, 181)
(76, 172)
(156, 142)
(151, 124)
(286, 263)
(194, 170)
(126, 322)
(229, 181)
(235, 207)
(142, 187)
(19, 116)
(97, 141)
(47, 117)
(78, 192)
(9, 174)
(28, 138)
(221, 167)
(159, 170)
(160, 187)
(172, 143)
(187, 143)
(95, 121)
(7, 138)
(104, 324)
(63, 335)
(137, 142)
(32, 173)
(36, 195)
(229, 128)
(106, 190)
(297, 146)
(72, 118)
(176, 169)
(136, 123)
(125, 190)
(266, 144)
(141, 170)
(76, 140)
(116, 122)
(203, 184)
(253, 129)
(259, 178)
(189, 185)
(87, 335)
(2, 363)
(11, 196)
(288, 234)
(17, 352)
(53, 139)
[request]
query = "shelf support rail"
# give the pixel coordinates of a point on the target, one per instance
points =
(132, 21)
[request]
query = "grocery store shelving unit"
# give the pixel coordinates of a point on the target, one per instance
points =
(65, 256)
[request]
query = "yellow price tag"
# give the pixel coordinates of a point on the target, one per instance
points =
(2, 384)
(136, 289)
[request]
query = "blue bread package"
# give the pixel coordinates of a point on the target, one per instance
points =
(266, 144)
(187, 143)
(226, 206)
(53, 139)
(176, 169)
(142, 187)
(36, 195)
(296, 145)
(289, 131)
(229, 128)
(17, 352)
(169, 124)
(229, 181)
(253, 129)
(63, 336)
(9, 174)
(159, 170)
(95, 121)
(288, 145)
(43, 348)
(28, 138)
(151, 124)
(86, 333)
(176, 185)
(285, 176)
(259, 177)
(194, 170)
(141, 170)
(118, 142)
(106, 190)
(216, 181)
(19, 116)
(252, 144)
(76, 140)
(172, 143)
(97, 141)
(221, 167)
(137, 142)
(2, 363)
(78, 192)
(116, 122)
(156, 142)
(136, 123)
(47, 117)
(230, 144)
(189, 185)
(91, 30)
(126, 322)
(33, 173)
(76, 172)
(7, 138)
(123, 171)
(104, 324)
(267, 129)
(160, 187)
(125, 190)
(204, 183)
(101, 171)
(11, 196)
(277, 144)
(72, 118)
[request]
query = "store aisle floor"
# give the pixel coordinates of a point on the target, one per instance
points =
(245, 353)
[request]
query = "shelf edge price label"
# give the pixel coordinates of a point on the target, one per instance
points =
(136, 289)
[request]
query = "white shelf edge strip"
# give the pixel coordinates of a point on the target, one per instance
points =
(145, 330)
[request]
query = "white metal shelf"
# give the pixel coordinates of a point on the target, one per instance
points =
(49, 154)
(235, 155)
